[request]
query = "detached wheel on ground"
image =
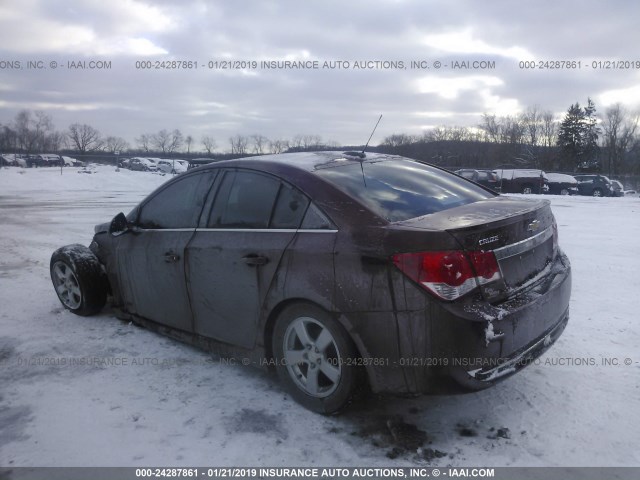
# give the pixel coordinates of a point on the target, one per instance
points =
(78, 279)
(311, 350)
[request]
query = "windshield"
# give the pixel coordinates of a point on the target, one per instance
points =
(400, 189)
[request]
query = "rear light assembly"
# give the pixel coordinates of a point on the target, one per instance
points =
(449, 274)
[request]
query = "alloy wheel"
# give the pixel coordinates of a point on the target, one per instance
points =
(67, 285)
(312, 357)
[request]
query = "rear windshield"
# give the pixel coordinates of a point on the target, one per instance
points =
(401, 189)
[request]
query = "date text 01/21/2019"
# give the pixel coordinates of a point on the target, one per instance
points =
(579, 65)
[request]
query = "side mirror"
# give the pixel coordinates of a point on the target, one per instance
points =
(119, 224)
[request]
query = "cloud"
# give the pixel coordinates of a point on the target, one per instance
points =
(629, 96)
(87, 28)
(464, 42)
(340, 105)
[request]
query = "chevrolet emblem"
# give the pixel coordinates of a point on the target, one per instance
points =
(533, 226)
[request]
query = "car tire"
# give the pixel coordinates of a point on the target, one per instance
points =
(564, 191)
(311, 352)
(597, 192)
(527, 189)
(78, 279)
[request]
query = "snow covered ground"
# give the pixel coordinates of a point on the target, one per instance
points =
(159, 402)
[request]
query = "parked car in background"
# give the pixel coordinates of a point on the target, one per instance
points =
(522, 180)
(562, 184)
(630, 193)
(124, 162)
(13, 160)
(486, 178)
(336, 270)
(197, 162)
(44, 160)
(594, 185)
(71, 162)
(142, 164)
(171, 165)
(618, 189)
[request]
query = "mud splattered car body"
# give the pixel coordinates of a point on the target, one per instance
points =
(339, 269)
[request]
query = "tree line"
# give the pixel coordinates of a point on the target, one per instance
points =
(34, 132)
(580, 140)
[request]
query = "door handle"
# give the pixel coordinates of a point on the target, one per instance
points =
(171, 257)
(255, 260)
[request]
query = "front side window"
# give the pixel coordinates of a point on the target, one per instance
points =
(178, 205)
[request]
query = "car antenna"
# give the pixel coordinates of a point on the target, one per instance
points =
(370, 136)
(361, 155)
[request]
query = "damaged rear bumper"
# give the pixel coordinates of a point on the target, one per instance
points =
(472, 345)
(521, 358)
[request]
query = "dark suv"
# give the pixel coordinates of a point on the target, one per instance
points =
(594, 185)
(522, 180)
(486, 178)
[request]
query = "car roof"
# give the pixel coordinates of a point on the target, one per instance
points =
(563, 177)
(307, 161)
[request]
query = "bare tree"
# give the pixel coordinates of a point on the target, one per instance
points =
(54, 141)
(549, 129)
(160, 140)
(26, 135)
(398, 140)
(260, 143)
(239, 144)
(84, 138)
(209, 144)
(512, 130)
(8, 138)
(144, 141)
(167, 142)
(115, 144)
(296, 142)
(532, 120)
(278, 146)
(491, 127)
(188, 140)
(619, 132)
(311, 141)
(453, 133)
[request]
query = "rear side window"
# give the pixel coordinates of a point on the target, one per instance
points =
(253, 200)
(401, 189)
(178, 205)
(245, 200)
(290, 208)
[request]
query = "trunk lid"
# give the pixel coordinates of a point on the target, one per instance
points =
(520, 232)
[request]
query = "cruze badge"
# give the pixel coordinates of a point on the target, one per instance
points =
(484, 241)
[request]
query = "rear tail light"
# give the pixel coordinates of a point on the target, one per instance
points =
(449, 274)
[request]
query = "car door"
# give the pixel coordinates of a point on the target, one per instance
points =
(234, 259)
(151, 256)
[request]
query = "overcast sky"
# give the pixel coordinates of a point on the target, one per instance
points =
(341, 105)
